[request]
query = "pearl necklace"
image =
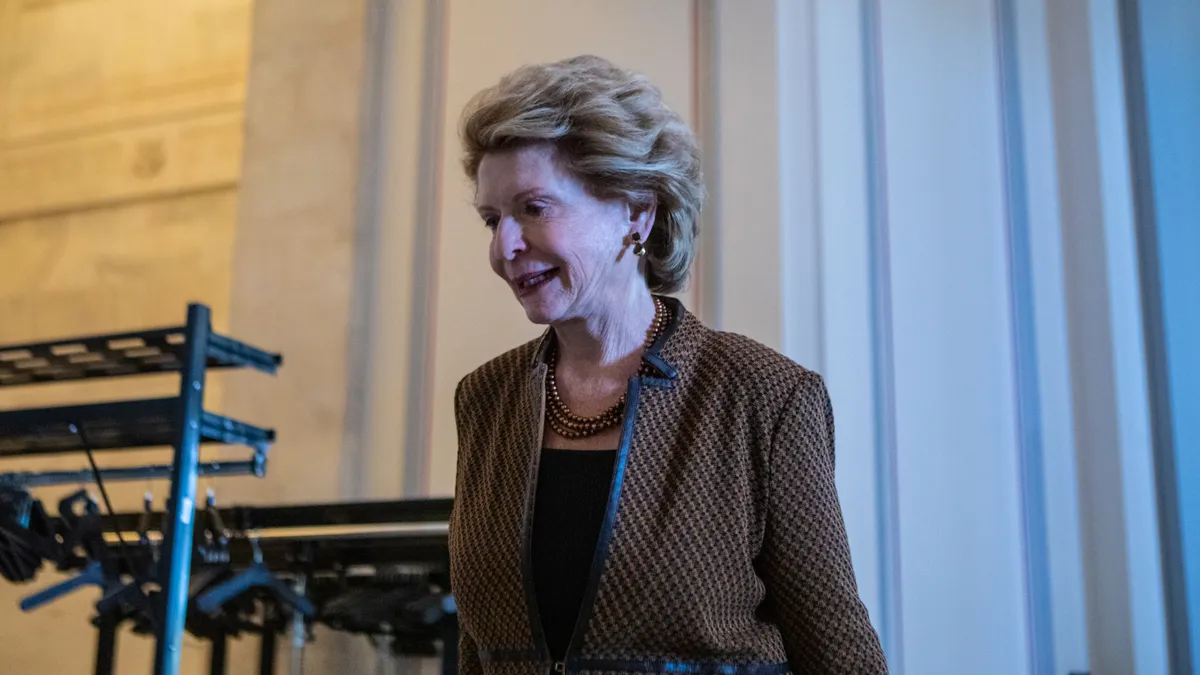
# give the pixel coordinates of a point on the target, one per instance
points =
(569, 425)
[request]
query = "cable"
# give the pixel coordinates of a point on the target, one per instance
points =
(112, 514)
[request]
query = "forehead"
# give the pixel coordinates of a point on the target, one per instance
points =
(507, 173)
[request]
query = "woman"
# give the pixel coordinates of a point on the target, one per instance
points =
(636, 492)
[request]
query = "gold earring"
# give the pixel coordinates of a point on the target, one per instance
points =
(638, 249)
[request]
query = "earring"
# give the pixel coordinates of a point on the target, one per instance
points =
(638, 249)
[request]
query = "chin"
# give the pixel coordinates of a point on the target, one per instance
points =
(539, 315)
(541, 312)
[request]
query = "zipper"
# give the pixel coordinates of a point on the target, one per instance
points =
(560, 667)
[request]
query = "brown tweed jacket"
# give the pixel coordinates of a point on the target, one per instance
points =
(723, 549)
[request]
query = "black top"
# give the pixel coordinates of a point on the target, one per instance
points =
(568, 513)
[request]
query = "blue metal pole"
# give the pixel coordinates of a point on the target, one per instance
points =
(178, 534)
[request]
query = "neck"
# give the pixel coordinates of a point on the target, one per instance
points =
(611, 335)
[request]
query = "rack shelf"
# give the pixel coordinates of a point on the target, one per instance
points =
(337, 534)
(119, 354)
(180, 422)
(114, 426)
(307, 515)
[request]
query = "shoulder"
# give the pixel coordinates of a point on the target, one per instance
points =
(789, 400)
(752, 364)
(498, 374)
(779, 400)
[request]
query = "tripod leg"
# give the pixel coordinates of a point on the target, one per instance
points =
(216, 657)
(384, 661)
(266, 653)
(449, 631)
(299, 635)
(106, 646)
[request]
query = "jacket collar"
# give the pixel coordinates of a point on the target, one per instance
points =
(653, 355)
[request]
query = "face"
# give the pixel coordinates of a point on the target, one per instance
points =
(564, 253)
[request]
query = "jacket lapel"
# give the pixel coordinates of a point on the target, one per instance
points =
(531, 438)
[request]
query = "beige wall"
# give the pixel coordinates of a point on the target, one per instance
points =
(129, 154)
(120, 148)
(120, 161)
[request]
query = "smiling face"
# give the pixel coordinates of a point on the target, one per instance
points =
(564, 253)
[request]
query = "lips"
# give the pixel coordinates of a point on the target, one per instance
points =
(529, 283)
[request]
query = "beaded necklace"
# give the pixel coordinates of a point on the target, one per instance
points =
(569, 425)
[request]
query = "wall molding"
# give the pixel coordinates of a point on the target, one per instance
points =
(1145, 222)
(884, 393)
(423, 322)
(1026, 385)
(746, 213)
(1098, 350)
(1060, 506)
(800, 264)
(396, 270)
(355, 479)
(706, 53)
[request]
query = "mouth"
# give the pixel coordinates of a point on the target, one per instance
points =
(530, 283)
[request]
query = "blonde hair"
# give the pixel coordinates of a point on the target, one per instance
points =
(614, 133)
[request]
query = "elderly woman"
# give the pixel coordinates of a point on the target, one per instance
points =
(636, 492)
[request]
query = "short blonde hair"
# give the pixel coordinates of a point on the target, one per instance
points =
(614, 133)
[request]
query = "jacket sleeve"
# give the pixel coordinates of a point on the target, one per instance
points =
(468, 650)
(805, 562)
(468, 655)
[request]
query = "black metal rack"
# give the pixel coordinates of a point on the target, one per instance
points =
(179, 421)
(373, 568)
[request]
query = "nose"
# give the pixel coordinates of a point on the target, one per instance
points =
(509, 238)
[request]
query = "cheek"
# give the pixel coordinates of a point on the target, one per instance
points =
(599, 247)
(494, 258)
(585, 246)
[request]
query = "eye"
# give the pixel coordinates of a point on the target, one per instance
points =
(535, 209)
(490, 222)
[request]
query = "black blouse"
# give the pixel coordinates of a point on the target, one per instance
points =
(568, 513)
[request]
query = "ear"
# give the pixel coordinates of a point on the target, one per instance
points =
(641, 217)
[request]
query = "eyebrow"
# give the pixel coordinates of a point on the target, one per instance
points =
(523, 194)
